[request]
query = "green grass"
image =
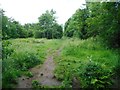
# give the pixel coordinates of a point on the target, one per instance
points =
(79, 58)
(25, 54)
(76, 57)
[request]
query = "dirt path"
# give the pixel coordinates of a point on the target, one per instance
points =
(44, 74)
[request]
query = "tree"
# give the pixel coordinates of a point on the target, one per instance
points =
(104, 21)
(57, 31)
(12, 28)
(48, 26)
(76, 26)
(4, 25)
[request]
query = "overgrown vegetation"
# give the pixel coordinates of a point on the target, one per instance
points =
(100, 18)
(17, 59)
(89, 61)
(79, 58)
(47, 27)
(91, 46)
(12, 65)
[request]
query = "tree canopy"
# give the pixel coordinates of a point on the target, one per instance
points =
(47, 27)
(97, 19)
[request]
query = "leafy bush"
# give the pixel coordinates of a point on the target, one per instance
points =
(35, 84)
(95, 76)
(9, 77)
(24, 61)
(117, 67)
(39, 34)
(9, 73)
(29, 74)
(6, 51)
(13, 66)
(30, 33)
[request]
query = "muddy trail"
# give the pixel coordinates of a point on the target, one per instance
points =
(44, 74)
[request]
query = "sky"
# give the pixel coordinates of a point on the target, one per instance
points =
(28, 11)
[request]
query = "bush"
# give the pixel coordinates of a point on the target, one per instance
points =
(39, 34)
(29, 74)
(24, 61)
(9, 77)
(95, 76)
(9, 73)
(29, 33)
(5, 50)
(117, 67)
(35, 84)
(17, 62)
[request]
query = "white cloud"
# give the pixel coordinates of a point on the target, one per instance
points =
(28, 11)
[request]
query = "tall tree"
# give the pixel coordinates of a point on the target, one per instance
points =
(104, 21)
(11, 28)
(48, 24)
(76, 26)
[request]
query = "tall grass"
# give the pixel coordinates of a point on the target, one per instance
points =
(87, 60)
(78, 55)
(19, 55)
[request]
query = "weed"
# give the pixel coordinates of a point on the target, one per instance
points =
(35, 84)
(95, 76)
(88, 60)
(26, 60)
(29, 74)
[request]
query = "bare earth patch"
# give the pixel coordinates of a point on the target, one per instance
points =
(43, 74)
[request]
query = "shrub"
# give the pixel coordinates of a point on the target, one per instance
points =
(95, 76)
(39, 34)
(117, 67)
(29, 74)
(35, 84)
(9, 73)
(10, 77)
(6, 51)
(24, 61)
(29, 33)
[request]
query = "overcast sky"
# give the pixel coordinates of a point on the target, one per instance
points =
(28, 11)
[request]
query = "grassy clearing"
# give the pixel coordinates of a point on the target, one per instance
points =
(37, 46)
(22, 54)
(88, 61)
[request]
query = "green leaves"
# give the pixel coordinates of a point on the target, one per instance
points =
(75, 26)
(102, 21)
(35, 84)
(96, 77)
(93, 81)
(24, 61)
(49, 28)
(5, 50)
(97, 19)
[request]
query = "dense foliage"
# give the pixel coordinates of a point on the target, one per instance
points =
(47, 27)
(76, 25)
(12, 28)
(102, 19)
(17, 59)
(13, 63)
(107, 16)
(88, 61)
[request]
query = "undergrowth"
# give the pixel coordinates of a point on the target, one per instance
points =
(88, 60)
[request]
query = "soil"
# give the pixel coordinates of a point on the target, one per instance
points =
(43, 74)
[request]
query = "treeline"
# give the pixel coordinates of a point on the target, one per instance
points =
(97, 19)
(47, 27)
(12, 28)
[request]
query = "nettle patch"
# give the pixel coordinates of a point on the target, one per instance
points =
(95, 76)
(25, 60)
